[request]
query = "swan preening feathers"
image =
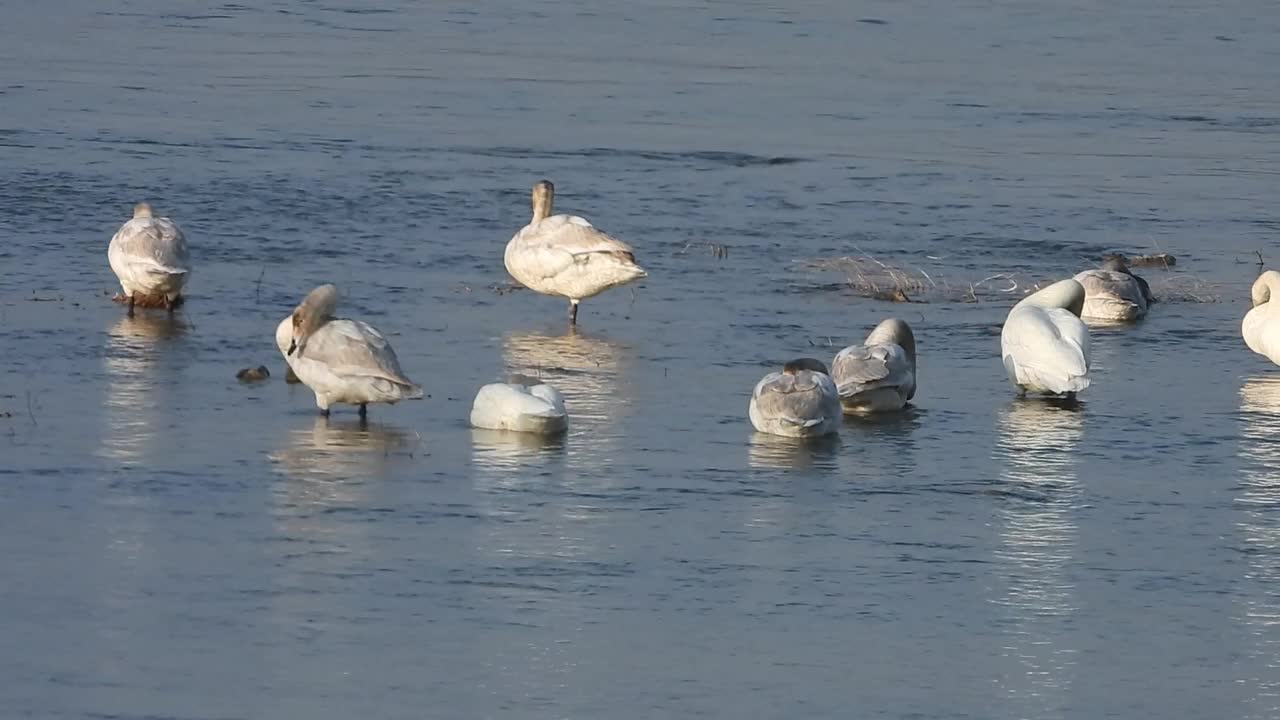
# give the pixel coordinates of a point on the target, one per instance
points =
(565, 255)
(1261, 326)
(1044, 344)
(149, 256)
(341, 360)
(880, 374)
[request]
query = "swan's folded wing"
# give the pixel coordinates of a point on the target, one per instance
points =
(351, 347)
(153, 241)
(556, 243)
(859, 368)
(1051, 343)
(799, 399)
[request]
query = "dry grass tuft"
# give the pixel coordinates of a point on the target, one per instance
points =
(1183, 288)
(871, 278)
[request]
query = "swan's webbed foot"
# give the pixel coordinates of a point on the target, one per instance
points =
(324, 412)
(364, 411)
(573, 312)
(132, 299)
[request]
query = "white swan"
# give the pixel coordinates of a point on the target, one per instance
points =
(149, 256)
(1261, 326)
(342, 361)
(1113, 292)
(880, 374)
(564, 255)
(1044, 344)
(801, 401)
(522, 405)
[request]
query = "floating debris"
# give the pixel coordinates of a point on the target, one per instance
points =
(1158, 260)
(251, 375)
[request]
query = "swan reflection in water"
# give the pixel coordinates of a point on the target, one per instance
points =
(775, 452)
(1258, 505)
(591, 374)
(346, 450)
(1036, 447)
(143, 362)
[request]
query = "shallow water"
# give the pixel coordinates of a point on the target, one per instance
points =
(181, 545)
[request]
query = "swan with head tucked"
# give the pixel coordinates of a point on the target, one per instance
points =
(1044, 344)
(1261, 326)
(565, 255)
(1112, 292)
(521, 405)
(801, 401)
(341, 360)
(149, 256)
(880, 374)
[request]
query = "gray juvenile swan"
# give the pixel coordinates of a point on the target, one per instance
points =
(1112, 292)
(149, 256)
(565, 255)
(880, 374)
(801, 401)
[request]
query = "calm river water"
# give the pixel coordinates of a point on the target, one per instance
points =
(179, 545)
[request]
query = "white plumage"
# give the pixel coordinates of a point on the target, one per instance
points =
(565, 255)
(149, 256)
(522, 405)
(880, 374)
(1044, 344)
(341, 360)
(1261, 326)
(801, 401)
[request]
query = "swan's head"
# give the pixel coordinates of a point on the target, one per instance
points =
(1066, 294)
(897, 332)
(522, 379)
(1261, 292)
(316, 310)
(1116, 263)
(544, 194)
(142, 210)
(794, 366)
(284, 336)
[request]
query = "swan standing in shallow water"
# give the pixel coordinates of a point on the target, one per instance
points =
(522, 405)
(1044, 344)
(342, 361)
(801, 401)
(564, 255)
(880, 374)
(149, 256)
(1114, 293)
(1261, 326)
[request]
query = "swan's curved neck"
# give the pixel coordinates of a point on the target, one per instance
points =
(543, 198)
(1264, 288)
(896, 332)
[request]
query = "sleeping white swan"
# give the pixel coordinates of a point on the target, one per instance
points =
(1261, 326)
(564, 255)
(149, 256)
(522, 405)
(342, 361)
(801, 401)
(1112, 292)
(1044, 344)
(880, 374)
